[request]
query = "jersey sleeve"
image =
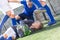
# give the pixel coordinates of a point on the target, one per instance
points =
(23, 2)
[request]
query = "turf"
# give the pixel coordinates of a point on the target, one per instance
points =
(47, 33)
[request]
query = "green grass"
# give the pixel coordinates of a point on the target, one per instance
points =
(47, 33)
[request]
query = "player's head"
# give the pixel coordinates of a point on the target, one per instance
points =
(36, 25)
(29, 3)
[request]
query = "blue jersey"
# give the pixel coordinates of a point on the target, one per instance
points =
(37, 3)
(28, 11)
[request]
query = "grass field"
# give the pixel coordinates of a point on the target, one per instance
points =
(47, 33)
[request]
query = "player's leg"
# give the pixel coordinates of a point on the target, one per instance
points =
(5, 7)
(19, 17)
(2, 5)
(52, 20)
(6, 17)
(3, 21)
(30, 17)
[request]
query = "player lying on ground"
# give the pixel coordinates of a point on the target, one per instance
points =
(11, 35)
(29, 8)
(28, 12)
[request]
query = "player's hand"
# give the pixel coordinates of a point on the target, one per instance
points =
(17, 17)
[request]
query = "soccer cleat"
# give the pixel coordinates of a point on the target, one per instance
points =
(51, 23)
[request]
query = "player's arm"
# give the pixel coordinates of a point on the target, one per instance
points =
(43, 2)
(16, 1)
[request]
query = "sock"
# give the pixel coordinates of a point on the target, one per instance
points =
(49, 13)
(37, 3)
(18, 21)
(14, 22)
(4, 20)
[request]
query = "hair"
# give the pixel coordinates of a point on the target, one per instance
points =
(29, 0)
